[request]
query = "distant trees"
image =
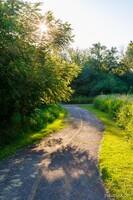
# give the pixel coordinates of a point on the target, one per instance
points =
(128, 58)
(31, 68)
(103, 72)
(127, 66)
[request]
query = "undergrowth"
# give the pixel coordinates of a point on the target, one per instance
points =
(44, 121)
(80, 100)
(120, 107)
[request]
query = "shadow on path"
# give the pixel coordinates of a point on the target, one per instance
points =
(70, 175)
(58, 168)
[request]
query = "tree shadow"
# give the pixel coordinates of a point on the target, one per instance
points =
(18, 173)
(70, 175)
(53, 173)
(53, 142)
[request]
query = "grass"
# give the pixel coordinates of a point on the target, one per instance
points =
(120, 107)
(115, 159)
(32, 137)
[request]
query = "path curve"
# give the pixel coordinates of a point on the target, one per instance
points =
(64, 166)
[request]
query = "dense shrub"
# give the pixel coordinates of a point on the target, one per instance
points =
(125, 118)
(109, 85)
(81, 100)
(41, 117)
(120, 107)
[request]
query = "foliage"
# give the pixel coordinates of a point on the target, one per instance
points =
(109, 85)
(42, 116)
(125, 118)
(128, 58)
(32, 71)
(120, 107)
(115, 158)
(55, 121)
(103, 71)
(80, 100)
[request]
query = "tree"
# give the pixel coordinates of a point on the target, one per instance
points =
(102, 71)
(31, 70)
(126, 66)
(111, 58)
(128, 58)
(97, 55)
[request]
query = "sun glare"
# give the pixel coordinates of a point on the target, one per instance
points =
(42, 27)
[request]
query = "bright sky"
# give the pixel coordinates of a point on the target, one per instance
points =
(109, 22)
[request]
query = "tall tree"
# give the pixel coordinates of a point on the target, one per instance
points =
(128, 58)
(101, 72)
(31, 70)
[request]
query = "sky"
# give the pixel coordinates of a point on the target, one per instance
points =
(109, 22)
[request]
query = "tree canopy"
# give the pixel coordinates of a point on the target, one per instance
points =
(31, 68)
(103, 71)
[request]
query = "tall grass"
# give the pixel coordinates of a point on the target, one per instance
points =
(115, 158)
(120, 107)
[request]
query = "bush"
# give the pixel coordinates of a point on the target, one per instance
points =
(120, 107)
(109, 85)
(43, 116)
(125, 118)
(109, 103)
(81, 100)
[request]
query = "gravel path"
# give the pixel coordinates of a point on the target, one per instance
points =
(61, 167)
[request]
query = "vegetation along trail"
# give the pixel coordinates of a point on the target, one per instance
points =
(64, 166)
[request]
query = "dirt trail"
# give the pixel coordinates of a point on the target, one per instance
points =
(61, 167)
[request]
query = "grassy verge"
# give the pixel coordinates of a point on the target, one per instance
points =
(115, 159)
(32, 137)
(120, 107)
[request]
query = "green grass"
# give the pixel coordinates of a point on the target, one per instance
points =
(120, 107)
(32, 137)
(115, 159)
